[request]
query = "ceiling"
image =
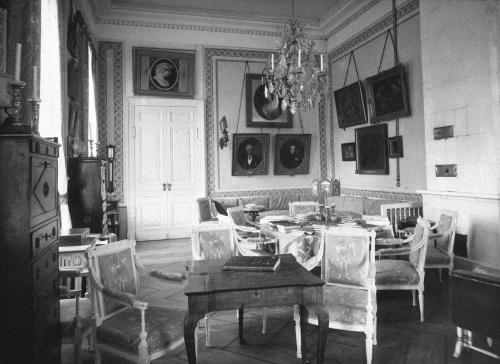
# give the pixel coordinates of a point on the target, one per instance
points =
(311, 12)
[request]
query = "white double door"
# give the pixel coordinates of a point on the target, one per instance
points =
(167, 168)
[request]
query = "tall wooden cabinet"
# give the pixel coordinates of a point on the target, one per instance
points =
(87, 193)
(29, 299)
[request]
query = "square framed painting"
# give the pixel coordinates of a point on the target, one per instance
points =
(162, 72)
(371, 150)
(262, 111)
(292, 153)
(350, 105)
(395, 146)
(348, 152)
(387, 95)
(250, 154)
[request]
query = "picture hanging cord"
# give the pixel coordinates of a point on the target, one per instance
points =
(301, 125)
(396, 58)
(351, 56)
(247, 68)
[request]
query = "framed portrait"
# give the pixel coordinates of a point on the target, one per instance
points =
(292, 152)
(350, 104)
(262, 111)
(250, 154)
(371, 150)
(395, 146)
(161, 72)
(348, 152)
(387, 95)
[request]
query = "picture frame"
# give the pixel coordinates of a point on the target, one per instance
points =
(387, 95)
(395, 146)
(255, 145)
(348, 152)
(262, 112)
(163, 72)
(371, 150)
(291, 154)
(351, 105)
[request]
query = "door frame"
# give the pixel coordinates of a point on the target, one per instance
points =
(129, 155)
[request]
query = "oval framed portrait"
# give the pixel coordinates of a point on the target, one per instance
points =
(292, 154)
(250, 154)
(164, 74)
(269, 109)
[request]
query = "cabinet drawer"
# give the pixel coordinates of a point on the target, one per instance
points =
(44, 265)
(48, 288)
(43, 189)
(43, 238)
(45, 148)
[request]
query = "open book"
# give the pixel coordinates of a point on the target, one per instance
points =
(253, 264)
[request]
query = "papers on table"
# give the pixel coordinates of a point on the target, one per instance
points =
(376, 220)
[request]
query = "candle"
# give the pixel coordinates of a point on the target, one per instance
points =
(17, 73)
(35, 82)
(300, 52)
(272, 61)
(321, 61)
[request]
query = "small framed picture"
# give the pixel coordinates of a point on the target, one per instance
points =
(395, 146)
(350, 104)
(348, 152)
(250, 154)
(292, 153)
(163, 72)
(387, 95)
(371, 150)
(262, 111)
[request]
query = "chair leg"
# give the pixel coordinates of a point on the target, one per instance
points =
(375, 330)
(298, 339)
(414, 297)
(264, 320)
(208, 342)
(369, 348)
(440, 275)
(421, 304)
(468, 336)
(459, 344)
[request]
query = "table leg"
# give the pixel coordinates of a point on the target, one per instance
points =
(240, 326)
(323, 323)
(303, 334)
(190, 323)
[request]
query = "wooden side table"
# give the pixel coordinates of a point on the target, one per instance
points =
(210, 289)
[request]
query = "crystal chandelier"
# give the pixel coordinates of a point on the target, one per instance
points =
(295, 80)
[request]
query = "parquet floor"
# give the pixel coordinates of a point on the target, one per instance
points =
(401, 336)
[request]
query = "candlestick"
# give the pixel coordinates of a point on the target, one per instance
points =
(13, 124)
(17, 72)
(35, 110)
(300, 52)
(321, 61)
(272, 61)
(35, 82)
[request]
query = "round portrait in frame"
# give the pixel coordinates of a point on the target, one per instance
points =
(164, 74)
(292, 153)
(268, 108)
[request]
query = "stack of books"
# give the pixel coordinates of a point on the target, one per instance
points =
(287, 226)
(252, 264)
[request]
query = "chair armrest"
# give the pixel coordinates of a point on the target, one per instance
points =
(124, 297)
(390, 241)
(68, 293)
(436, 235)
(392, 251)
(178, 277)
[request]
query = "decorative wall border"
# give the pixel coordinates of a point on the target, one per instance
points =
(388, 195)
(117, 47)
(210, 53)
(405, 11)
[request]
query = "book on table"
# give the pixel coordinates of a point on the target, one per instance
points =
(252, 264)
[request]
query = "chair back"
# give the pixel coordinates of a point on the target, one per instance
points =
(447, 226)
(213, 242)
(237, 214)
(112, 266)
(307, 249)
(396, 212)
(349, 257)
(302, 207)
(418, 244)
(204, 209)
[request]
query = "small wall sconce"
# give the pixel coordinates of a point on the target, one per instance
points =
(224, 139)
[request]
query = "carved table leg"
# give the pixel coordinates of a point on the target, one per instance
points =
(303, 333)
(190, 323)
(240, 326)
(459, 344)
(323, 323)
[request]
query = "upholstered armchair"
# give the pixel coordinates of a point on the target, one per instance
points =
(400, 274)
(303, 207)
(350, 294)
(205, 210)
(123, 325)
(237, 214)
(441, 243)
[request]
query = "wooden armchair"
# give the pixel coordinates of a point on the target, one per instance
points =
(350, 294)
(441, 244)
(123, 325)
(399, 274)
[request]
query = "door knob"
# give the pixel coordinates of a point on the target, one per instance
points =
(164, 187)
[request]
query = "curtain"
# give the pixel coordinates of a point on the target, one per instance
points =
(51, 118)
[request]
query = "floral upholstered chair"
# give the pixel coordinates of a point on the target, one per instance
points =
(348, 268)
(441, 243)
(122, 324)
(400, 274)
(205, 209)
(303, 207)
